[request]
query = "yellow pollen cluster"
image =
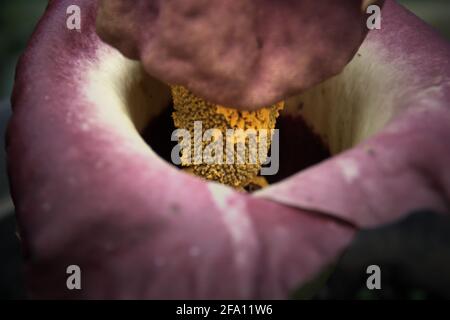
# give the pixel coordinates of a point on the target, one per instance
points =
(190, 109)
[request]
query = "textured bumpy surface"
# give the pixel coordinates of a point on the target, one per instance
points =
(88, 190)
(241, 151)
(272, 48)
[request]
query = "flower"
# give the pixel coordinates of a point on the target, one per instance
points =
(236, 162)
(90, 192)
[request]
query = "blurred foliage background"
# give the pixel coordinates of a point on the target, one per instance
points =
(18, 18)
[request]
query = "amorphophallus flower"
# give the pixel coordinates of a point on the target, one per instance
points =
(89, 191)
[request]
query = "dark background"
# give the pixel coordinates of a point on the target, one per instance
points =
(420, 234)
